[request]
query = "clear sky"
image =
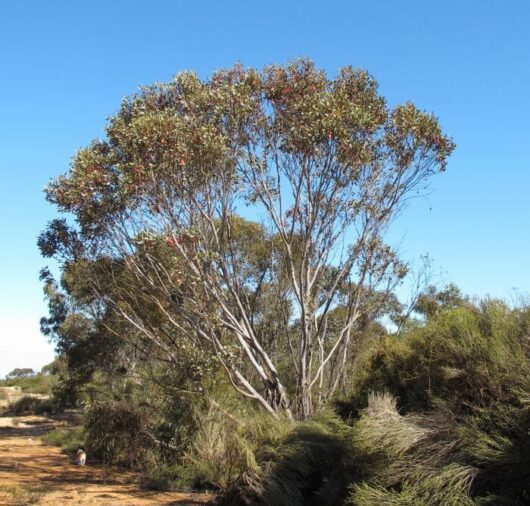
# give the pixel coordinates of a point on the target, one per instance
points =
(66, 65)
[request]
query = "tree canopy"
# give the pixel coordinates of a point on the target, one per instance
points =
(241, 220)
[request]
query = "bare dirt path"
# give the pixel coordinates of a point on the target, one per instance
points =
(34, 473)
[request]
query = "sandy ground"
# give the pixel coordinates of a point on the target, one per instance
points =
(34, 473)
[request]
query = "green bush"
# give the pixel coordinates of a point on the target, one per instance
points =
(465, 358)
(119, 433)
(71, 438)
(38, 384)
(31, 405)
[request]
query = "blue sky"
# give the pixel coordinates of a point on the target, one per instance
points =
(66, 65)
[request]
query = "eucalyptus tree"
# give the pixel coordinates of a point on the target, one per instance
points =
(322, 165)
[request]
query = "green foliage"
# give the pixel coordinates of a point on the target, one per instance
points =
(70, 438)
(464, 357)
(118, 433)
(433, 300)
(32, 405)
(462, 380)
(39, 384)
(311, 465)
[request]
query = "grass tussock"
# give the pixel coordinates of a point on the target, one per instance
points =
(409, 459)
(311, 466)
(226, 445)
(22, 496)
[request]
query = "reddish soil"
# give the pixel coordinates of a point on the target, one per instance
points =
(32, 472)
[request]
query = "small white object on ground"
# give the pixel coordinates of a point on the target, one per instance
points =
(80, 457)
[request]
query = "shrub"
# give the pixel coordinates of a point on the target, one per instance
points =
(71, 438)
(465, 358)
(119, 433)
(165, 477)
(31, 405)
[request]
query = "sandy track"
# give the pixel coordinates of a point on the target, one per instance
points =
(27, 466)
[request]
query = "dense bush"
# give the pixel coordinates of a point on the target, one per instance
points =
(455, 427)
(465, 358)
(438, 414)
(118, 433)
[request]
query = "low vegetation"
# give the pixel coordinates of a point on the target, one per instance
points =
(437, 414)
(31, 405)
(26, 392)
(69, 438)
(38, 384)
(23, 496)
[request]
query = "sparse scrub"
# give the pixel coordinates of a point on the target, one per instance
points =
(31, 405)
(70, 438)
(22, 496)
(39, 384)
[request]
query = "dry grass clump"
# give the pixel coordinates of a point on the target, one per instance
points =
(311, 466)
(382, 429)
(409, 459)
(227, 443)
(22, 496)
